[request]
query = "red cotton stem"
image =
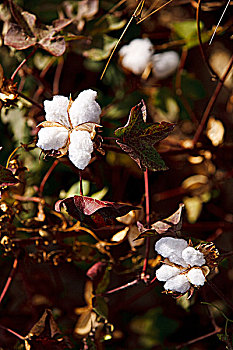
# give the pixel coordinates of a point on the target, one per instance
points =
(81, 183)
(143, 276)
(12, 332)
(9, 279)
(127, 285)
(22, 63)
(53, 166)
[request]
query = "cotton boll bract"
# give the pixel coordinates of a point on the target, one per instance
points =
(136, 55)
(165, 64)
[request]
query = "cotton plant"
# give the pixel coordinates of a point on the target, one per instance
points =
(165, 64)
(184, 266)
(136, 55)
(70, 127)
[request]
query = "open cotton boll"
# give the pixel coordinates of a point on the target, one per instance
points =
(193, 257)
(165, 64)
(178, 284)
(196, 276)
(85, 108)
(137, 55)
(80, 148)
(56, 110)
(52, 138)
(177, 259)
(166, 271)
(81, 140)
(168, 245)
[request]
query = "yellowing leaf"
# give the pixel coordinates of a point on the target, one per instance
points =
(193, 206)
(215, 131)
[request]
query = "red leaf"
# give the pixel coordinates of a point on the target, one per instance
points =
(93, 211)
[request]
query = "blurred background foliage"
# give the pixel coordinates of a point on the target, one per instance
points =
(52, 270)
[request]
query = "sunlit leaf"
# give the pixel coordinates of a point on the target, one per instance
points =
(137, 138)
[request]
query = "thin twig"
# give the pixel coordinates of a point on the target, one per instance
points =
(22, 63)
(198, 339)
(12, 332)
(125, 286)
(225, 8)
(220, 294)
(53, 166)
(158, 9)
(81, 183)
(203, 53)
(123, 33)
(211, 102)
(58, 76)
(9, 279)
(33, 102)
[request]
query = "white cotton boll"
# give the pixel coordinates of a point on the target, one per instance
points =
(177, 259)
(168, 245)
(85, 108)
(50, 138)
(166, 271)
(80, 158)
(56, 110)
(80, 148)
(193, 257)
(196, 277)
(81, 140)
(178, 284)
(165, 64)
(137, 55)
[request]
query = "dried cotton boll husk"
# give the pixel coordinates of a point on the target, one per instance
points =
(165, 64)
(137, 55)
(219, 60)
(215, 131)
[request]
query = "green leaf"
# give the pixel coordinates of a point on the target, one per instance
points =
(137, 138)
(187, 30)
(97, 54)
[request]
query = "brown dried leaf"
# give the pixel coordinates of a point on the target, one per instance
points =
(45, 334)
(6, 177)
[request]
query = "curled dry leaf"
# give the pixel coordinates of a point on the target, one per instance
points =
(137, 138)
(45, 334)
(94, 212)
(172, 223)
(8, 90)
(6, 177)
(96, 272)
(27, 32)
(81, 11)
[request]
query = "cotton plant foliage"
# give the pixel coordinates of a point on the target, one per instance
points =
(70, 127)
(183, 267)
(137, 55)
